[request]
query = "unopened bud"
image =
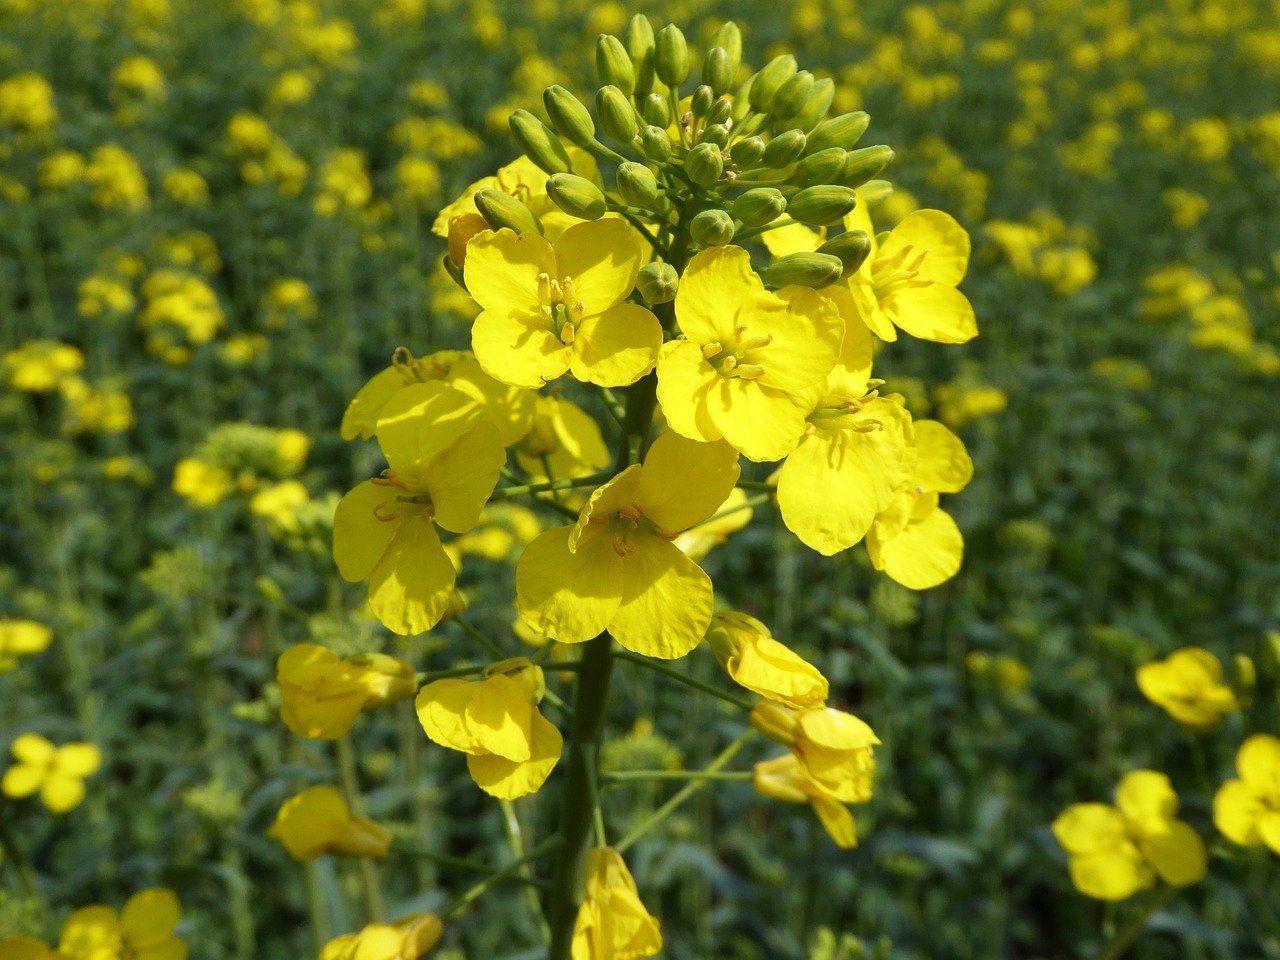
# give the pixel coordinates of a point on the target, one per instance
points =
(817, 103)
(805, 269)
(729, 39)
(703, 164)
(747, 153)
(716, 133)
(576, 196)
(656, 111)
(503, 210)
(784, 149)
(671, 56)
(461, 229)
(875, 192)
(613, 64)
(658, 282)
(700, 102)
(852, 247)
(770, 80)
(775, 721)
(792, 95)
(639, 43)
(539, 143)
(617, 116)
(717, 70)
(843, 131)
(655, 143)
(1244, 677)
(742, 99)
(861, 165)
(816, 168)
(569, 116)
(637, 184)
(711, 228)
(759, 206)
(821, 204)
(720, 111)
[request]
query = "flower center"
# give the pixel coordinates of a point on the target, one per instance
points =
(559, 304)
(899, 271)
(627, 526)
(841, 413)
(740, 357)
(404, 505)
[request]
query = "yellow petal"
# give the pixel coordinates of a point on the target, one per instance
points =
(359, 537)
(1085, 828)
(502, 269)
(33, 749)
(1237, 810)
(78, 760)
(499, 716)
(715, 282)
(22, 780)
(837, 821)
(793, 238)
(684, 481)
(1178, 855)
(938, 233)
(667, 601)
(807, 331)
(361, 417)
(463, 476)
(1147, 800)
(925, 554)
(409, 589)
(1258, 763)
(149, 917)
(420, 421)
(442, 708)
(943, 463)
(62, 793)
(91, 932)
(936, 312)
(617, 347)
(863, 296)
(763, 423)
(508, 780)
(603, 258)
(684, 378)
(570, 597)
(772, 670)
(1111, 874)
(519, 348)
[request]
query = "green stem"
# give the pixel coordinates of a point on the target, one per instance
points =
(683, 794)
(14, 856)
(760, 485)
(515, 838)
(480, 638)
(1123, 940)
(658, 667)
(351, 788)
(457, 863)
(623, 776)
(567, 484)
(545, 847)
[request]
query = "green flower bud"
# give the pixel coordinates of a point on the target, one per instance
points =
(875, 192)
(655, 110)
(720, 111)
(576, 196)
(742, 99)
(613, 64)
(503, 210)
(821, 167)
(655, 143)
(792, 95)
(861, 165)
(637, 184)
(805, 269)
(747, 153)
(759, 206)
(671, 56)
(717, 70)
(658, 282)
(701, 100)
(639, 43)
(821, 204)
(617, 116)
(815, 107)
(716, 133)
(852, 247)
(568, 115)
(843, 131)
(539, 143)
(729, 38)
(703, 164)
(711, 228)
(769, 80)
(784, 149)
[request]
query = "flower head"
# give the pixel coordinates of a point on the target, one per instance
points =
(785, 778)
(321, 695)
(612, 923)
(834, 748)
(143, 930)
(1247, 809)
(1188, 686)
(21, 638)
(56, 773)
(406, 939)
(318, 821)
(747, 650)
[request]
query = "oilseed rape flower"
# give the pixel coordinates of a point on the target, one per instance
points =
(785, 778)
(27, 102)
(143, 930)
(746, 649)
(21, 638)
(318, 821)
(511, 748)
(1113, 852)
(27, 948)
(405, 939)
(748, 357)
(202, 483)
(442, 466)
(1247, 809)
(1188, 686)
(56, 773)
(321, 695)
(834, 748)
(551, 309)
(616, 569)
(39, 366)
(612, 923)
(563, 441)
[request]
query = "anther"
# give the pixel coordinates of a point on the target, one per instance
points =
(709, 350)
(751, 371)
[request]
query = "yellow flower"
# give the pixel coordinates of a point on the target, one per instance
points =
(318, 821)
(833, 747)
(38, 366)
(57, 773)
(749, 357)
(746, 649)
(21, 638)
(1188, 686)
(321, 695)
(612, 923)
(785, 778)
(442, 466)
(1113, 852)
(1247, 810)
(143, 930)
(406, 939)
(616, 569)
(26, 100)
(550, 309)
(201, 483)
(564, 441)
(27, 948)
(511, 748)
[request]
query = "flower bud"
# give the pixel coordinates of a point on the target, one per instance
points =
(1243, 678)
(861, 165)
(822, 204)
(805, 269)
(503, 210)
(816, 168)
(656, 111)
(617, 116)
(703, 164)
(655, 143)
(792, 95)
(637, 184)
(816, 105)
(671, 56)
(875, 192)
(769, 80)
(747, 153)
(700, 102)
(759, 206)
(711, 228)
(576, 196)
(461, 229)
(775, 721)
(716, 133)
(784, 149)
(843, 131)
(569, 116)
(852, 247)
(613, 65)
(658, 282)
(539, 143)
(729, 39)
(639, 43)
(720, 111)
(717, 70)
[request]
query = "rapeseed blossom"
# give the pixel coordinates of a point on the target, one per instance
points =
(612, 923)
(1188, 686)
(56, 773)
(785, 778)
(143, 930)
(318, 821)
(405, 939)
(746, 649)
(321, 695)
(21, 638)
(834, 748)
(1247, 809)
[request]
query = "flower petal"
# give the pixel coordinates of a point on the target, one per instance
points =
(461, 478)
(714, 283)
(603, 258)
(685, 481)
(759, 421)
(617, 347)
(409, 589)
(683, 381)
(502, 269)
(570, 597)
(946, 242)
(1178, 855)
(936, 312)
(667, 601)
(359, 537)
(149, 917)
(508, 780)
(442, 707)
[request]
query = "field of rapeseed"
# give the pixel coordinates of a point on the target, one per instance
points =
(606, 479)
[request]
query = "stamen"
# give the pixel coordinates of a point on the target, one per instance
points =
(567, 333)
(751, 371)
(709, 350)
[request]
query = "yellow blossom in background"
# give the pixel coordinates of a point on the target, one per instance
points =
(61, 169)
(1113, 852)
(21, 638)
(202, 483)
(785, 778)
(143, 930)
(321, 695)
(186, 187)
(731, 516)
(104, 296)
(318, 821)
(292, 88)
(39, 366)
(278, 503)
(418, 180)
(1247, 809)
(834, 748)
(288, 297)
(115, 179)
(405, 939)
(746, 649)
(27, 948)
(961, 403)
(612, 923)
(181, 301)
(563, 441)
(27, 102)
(139, 75)
(1188, 686)
(249, 133)
(56, 773)
(342, 182)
